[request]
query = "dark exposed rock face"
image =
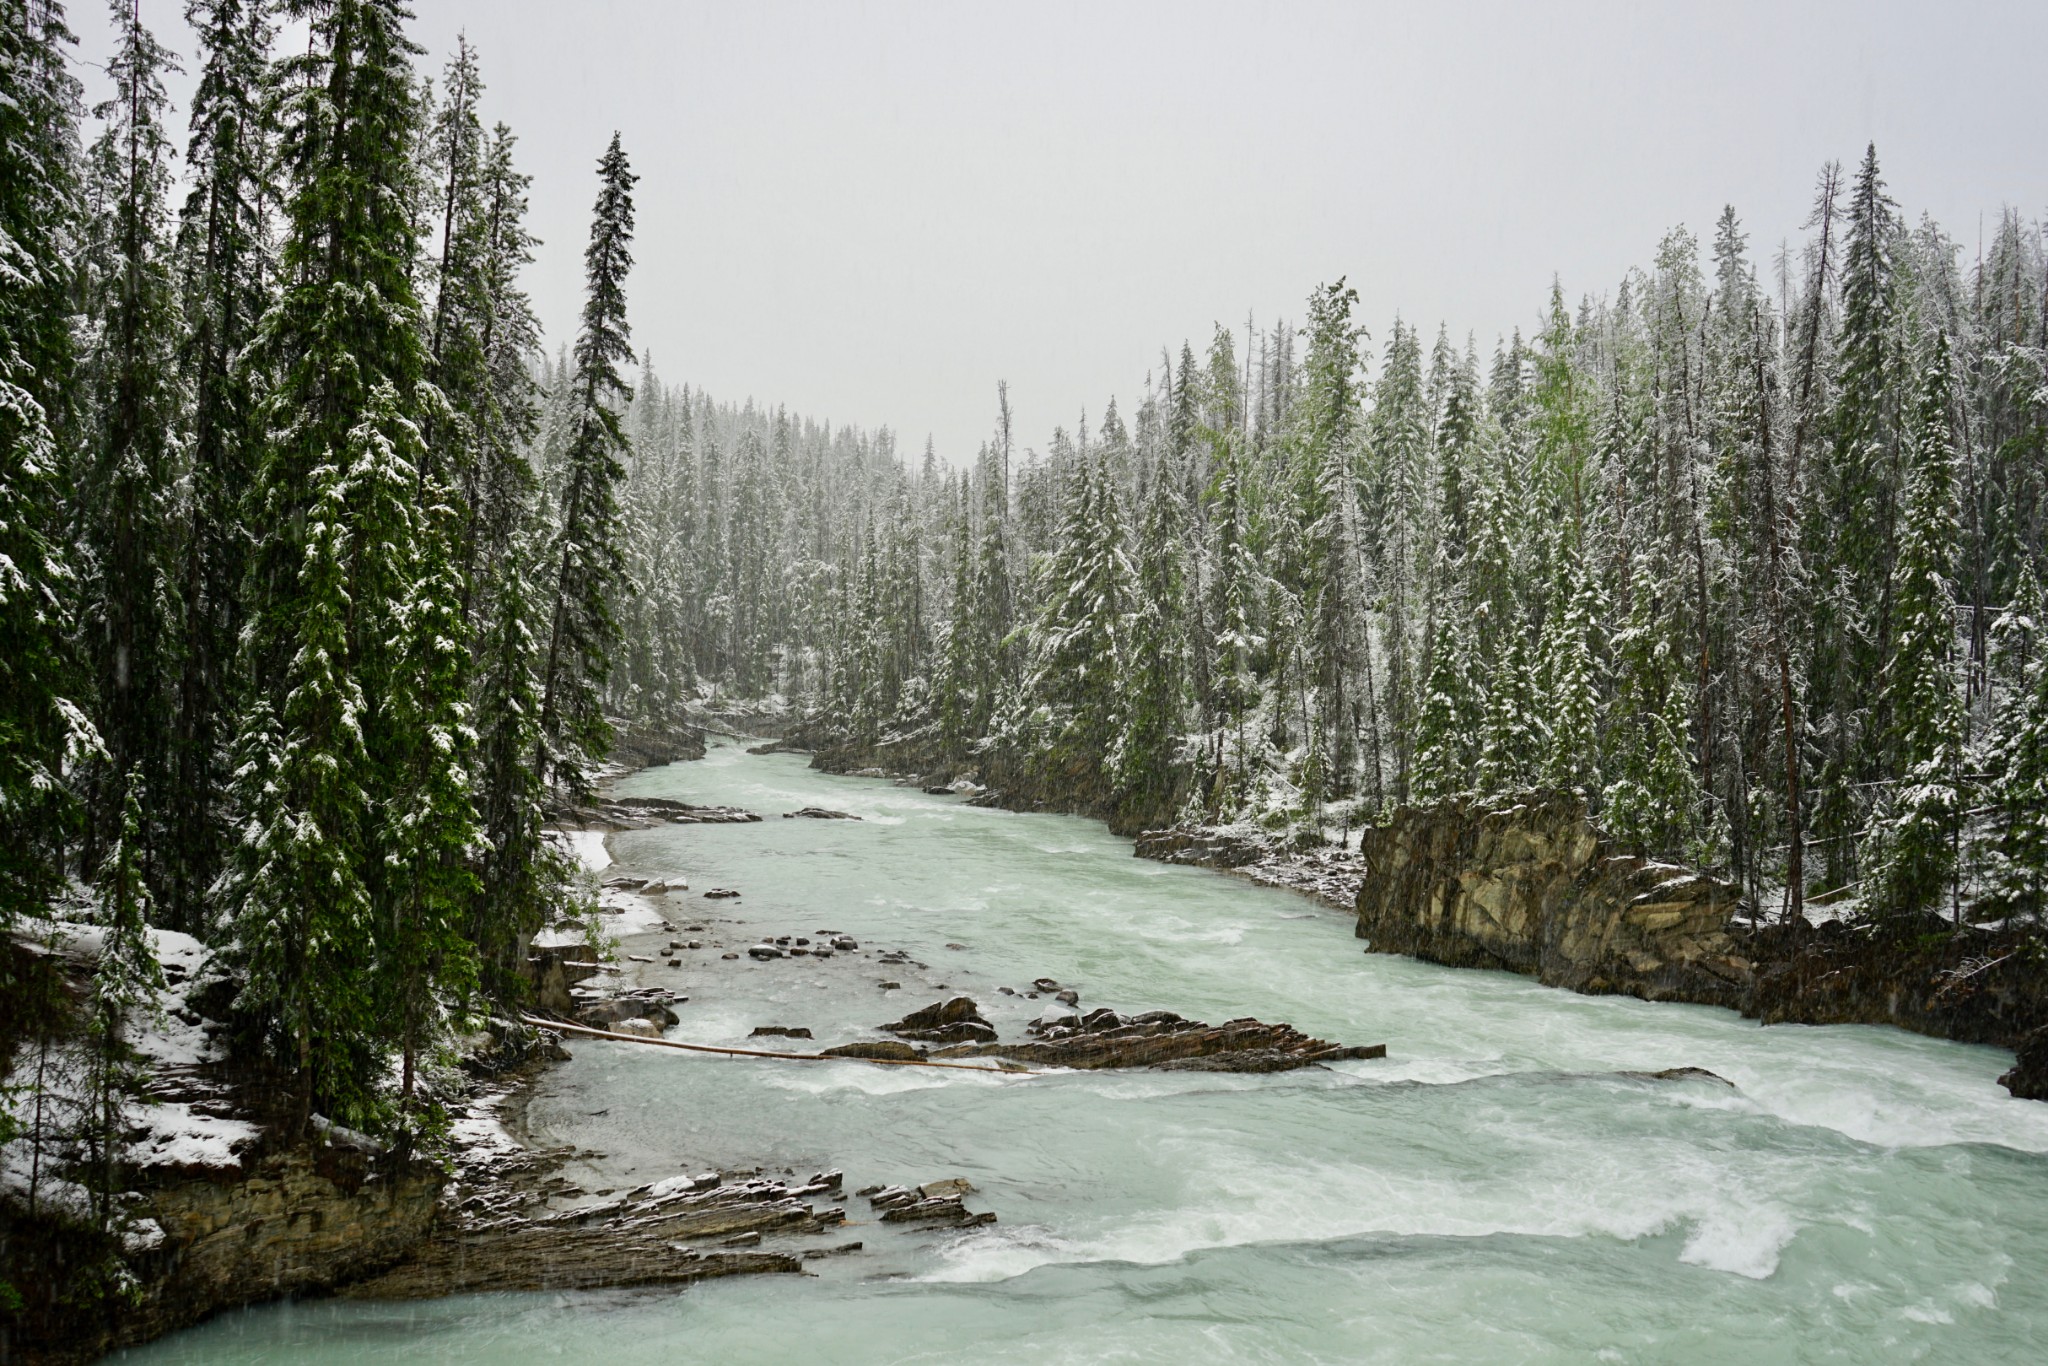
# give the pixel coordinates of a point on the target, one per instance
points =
(2028, 1078)
(295, 1222)
(1533, 888)
(955, 1021)
(648, 744)
(938, 1203)
(300, 1222)
(912, 752)
(1920, 973)
(1162, 1039)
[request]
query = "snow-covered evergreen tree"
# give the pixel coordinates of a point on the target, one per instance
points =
(1916, 837)
(586, 554)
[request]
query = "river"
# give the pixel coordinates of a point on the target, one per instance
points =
(1495, 1190)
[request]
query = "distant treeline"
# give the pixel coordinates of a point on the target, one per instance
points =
(1751, 558)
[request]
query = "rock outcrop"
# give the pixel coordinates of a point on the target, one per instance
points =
(2028, 1078)
(649, 744)
(1532, 887)
(1162, 1039)
(502, 1238)
(954, 1021)
(298, 1221)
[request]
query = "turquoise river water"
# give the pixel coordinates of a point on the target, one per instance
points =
(1495, 1190)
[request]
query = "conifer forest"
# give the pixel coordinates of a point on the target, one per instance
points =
(328, 583)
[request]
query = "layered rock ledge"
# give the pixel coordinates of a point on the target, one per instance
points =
(1534, 888)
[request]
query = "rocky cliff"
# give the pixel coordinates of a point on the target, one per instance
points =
(1532, 887)
(292, 1222)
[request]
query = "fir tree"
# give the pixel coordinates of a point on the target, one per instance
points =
(224, 262)
(42, 728)
(574, 734)
(2019, 786)
(1916, 837)
(301, 913)
(1450, 720)
(125, 984)
(1153, 714)
(134, 399)
(1568, 678)
(334, 497)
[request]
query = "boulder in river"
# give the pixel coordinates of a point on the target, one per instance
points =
(763, 952)
(819, 813)
(779, 1032)
(953, 1021)
(1061, 1015)
(617, 1011)
(937, 1202)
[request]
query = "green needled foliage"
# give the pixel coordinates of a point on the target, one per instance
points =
(587, 553)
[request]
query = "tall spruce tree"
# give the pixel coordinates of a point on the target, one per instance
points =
(224, 262)
(334, 496)
(131, 455)
(587, 558)
(1918, 828)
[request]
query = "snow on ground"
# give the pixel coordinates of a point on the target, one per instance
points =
(173, 1042)
(177, 1038)
(626, 913)
(588, 847)
(177, 1136)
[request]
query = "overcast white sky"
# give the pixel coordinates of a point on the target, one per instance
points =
(871, 212)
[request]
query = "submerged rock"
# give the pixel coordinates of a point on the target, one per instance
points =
(779, 1032)
(1682, 1074)
(819, 813)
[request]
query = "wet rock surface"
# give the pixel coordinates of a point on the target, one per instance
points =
(939, 1203)
(2028, 1078)
(819, 813)
(641, 813)
(1103, 1038)
(953, 1021)
(503, 1236)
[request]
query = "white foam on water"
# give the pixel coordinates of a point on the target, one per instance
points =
(1746, 1242)
(817, 1079)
